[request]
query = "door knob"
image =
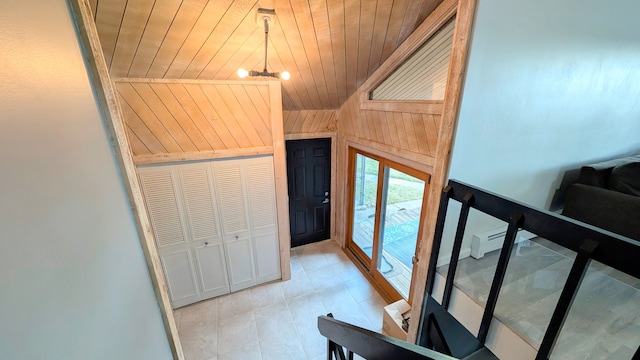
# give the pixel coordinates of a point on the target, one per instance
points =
(326, 201)
(206, 243)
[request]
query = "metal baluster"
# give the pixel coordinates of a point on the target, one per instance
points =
(467, 201)
(501, 269)
(578, 270)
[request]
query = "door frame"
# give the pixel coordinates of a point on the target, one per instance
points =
(333, 137)
(371, 268)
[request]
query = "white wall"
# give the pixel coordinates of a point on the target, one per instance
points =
(73, 280)
(550, 85)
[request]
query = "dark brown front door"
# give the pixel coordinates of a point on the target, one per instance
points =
(309, 177)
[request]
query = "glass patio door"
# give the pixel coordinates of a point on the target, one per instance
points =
(387, 200)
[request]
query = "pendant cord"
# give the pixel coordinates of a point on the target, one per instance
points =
(266, 41)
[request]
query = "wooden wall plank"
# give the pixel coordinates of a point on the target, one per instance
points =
(163, 114)
(140, 107)
(257, 101)
(421, 135)
(221, 119)
(235, 110)
(139, 128)
(247, 110)
(191, 117)
(178, 112)
(203, 116)
(137, 146)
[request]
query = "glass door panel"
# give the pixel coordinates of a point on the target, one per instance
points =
(402, 199)
(364, 203)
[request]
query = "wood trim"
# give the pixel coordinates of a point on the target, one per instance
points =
(192, 81)
(110, 108)
(280, 172)
(452, 99)
(418, 161)
(317, 135)
(445, 11)
(384, 285)
(423, 107)
(201, 155)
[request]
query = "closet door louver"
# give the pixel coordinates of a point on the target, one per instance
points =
(231, 194)
(158, 186)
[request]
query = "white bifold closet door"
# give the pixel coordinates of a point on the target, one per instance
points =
(215, 225)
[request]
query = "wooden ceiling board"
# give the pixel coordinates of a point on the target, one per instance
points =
(186, 17)
(330, 47)
(134, 21)
(380, 26)
(162, 16)
(202, 29)
(108, 18)
(227, 25)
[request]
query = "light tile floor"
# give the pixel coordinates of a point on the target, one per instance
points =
(279, 320)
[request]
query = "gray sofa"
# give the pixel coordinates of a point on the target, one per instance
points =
(607, 195)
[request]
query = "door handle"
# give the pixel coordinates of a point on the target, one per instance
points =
(326, 201)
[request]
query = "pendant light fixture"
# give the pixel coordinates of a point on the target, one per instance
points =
(265, 17)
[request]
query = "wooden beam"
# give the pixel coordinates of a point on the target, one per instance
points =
(201, 155)
(190, 81)
(423, 107)
(459, 54)
(280, 172)
(412, 159)
(108, 101)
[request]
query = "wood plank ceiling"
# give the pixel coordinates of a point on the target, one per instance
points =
(330, 47)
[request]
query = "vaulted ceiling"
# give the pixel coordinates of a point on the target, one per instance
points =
(330, 47)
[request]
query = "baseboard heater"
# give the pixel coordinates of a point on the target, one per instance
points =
(488, 241)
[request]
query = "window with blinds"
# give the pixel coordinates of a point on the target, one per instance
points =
(424, 75)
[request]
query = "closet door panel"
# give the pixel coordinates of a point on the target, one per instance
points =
(213, 270)
(267, 257)
(199, 199)
(178, 269)
(231, 197)
(240, 264)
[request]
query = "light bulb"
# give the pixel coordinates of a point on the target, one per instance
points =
(285, 75)
(242, 73)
